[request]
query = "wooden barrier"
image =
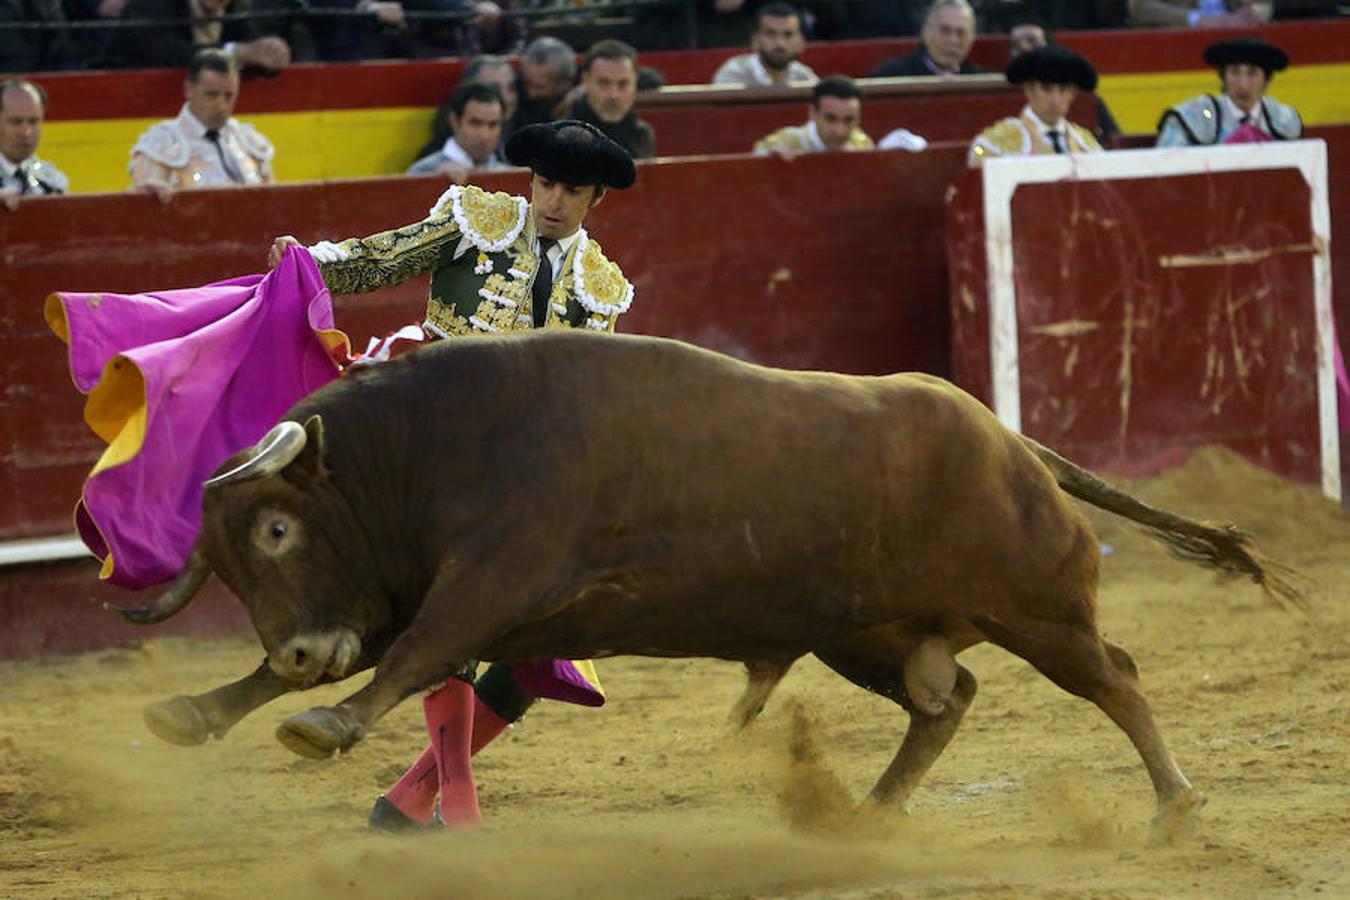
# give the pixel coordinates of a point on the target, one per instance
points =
(826, 262)
(710, 120)
(831, 262)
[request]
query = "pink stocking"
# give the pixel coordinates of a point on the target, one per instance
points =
(449, 713)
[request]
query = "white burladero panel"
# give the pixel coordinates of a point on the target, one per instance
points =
(1003, 175)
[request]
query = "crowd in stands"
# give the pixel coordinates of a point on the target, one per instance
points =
(268, 35)
(206, 146)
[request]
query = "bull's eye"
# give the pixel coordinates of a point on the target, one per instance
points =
(275, 532)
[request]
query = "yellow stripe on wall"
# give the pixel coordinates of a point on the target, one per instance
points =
(1321, 94)
(311, 146)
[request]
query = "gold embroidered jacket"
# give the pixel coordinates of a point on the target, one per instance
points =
(480, 251)
(798, 139)
(1021, 136)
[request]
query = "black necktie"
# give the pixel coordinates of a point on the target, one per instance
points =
(231, 170)
(1056, 141)
(543, 283)
(22, 174)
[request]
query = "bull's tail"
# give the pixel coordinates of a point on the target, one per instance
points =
(1223, 548)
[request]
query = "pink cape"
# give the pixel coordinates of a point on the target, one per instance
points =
(1342, 390)
(175, 387)
(178, 381)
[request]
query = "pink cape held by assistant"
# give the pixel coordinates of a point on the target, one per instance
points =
(180, 380)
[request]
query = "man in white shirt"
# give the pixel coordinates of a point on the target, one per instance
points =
(777, 43)
(477, 114)
(23, 105)
(205, 146)
(1050, 77)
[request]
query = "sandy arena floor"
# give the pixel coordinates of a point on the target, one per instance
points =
(1040, 796)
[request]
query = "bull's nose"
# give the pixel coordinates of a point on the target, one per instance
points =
(303, 659)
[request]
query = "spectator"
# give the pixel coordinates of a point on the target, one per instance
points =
(1050, 77)
(1059, 15)
(1242, 112)
(609, 84)
(948, 34)
(489, 69)
(374, 35)
(34, 51)
(172, 45)
(205, 146)
(834, 123)
(23, 105)
(1026, 36)
(476, 118)
(895, 18)
(1197, 13)
(730, 23)
(548, 69)
(777, 43)
(479, 27)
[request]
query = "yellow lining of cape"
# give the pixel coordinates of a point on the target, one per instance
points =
(116, 410)
(587, 669)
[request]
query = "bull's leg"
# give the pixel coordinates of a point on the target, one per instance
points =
(452, 625)
(880, 665)
(761, 677)
(924, 742)
(1077, 659)
(188, 721)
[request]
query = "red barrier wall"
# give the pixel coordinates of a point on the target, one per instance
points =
(704, 122)
(58, 608)
(827, 262)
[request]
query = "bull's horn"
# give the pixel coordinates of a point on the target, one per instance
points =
(273, 453)
(177, 596)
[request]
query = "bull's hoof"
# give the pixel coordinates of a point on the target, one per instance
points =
(1178, 819)
(177, 720)
(319, 733)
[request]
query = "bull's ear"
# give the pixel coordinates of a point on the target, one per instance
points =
(309, 465)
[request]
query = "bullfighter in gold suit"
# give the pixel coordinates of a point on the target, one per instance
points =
(497, 264)
(1051, 77)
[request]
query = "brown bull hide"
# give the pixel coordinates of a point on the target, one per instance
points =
(568, 495)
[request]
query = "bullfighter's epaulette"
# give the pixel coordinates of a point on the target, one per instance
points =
(490, 221)
(1003, 138)
(600, 285)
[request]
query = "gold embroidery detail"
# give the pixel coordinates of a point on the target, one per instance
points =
(601, 287)
(491, 218)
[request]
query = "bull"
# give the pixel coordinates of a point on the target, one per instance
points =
(567, 495)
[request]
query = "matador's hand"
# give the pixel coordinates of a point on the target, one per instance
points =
(278, 250)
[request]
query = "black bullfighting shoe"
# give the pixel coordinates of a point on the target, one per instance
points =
(387, 817)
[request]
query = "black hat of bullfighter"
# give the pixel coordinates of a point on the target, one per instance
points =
(1253, 51)
(1052, 64)
(572, 152)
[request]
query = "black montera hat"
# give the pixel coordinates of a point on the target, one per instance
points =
(572, 152)
(1253, 51)
(1052, 64)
